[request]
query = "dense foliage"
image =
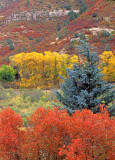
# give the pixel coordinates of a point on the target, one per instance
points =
(53, 134)
(10, 134)
(84, 88)
(108, 64)
(7, 73)
(37, 69)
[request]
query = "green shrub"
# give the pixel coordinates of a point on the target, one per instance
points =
(24, 49)
(94, 14)
(49, 5)
(67, 6)
(7, 58)
(31, 38)
(76, 35)
(7, 73)
(27, 4)
(66, 23)
(11, 47)
(19, 50)
(79, 1)
(72, 15)
(9, 41)
(38, 40)
(110, 38)
(83, 8)
(41, 1)
(105, 34)
(103, 40)
(61, 36)
(107, 48)
(58, 27)
(65, 31)
(82, 36)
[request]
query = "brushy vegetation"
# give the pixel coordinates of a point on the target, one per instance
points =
(31, 128)
(7, 73)
(26, 101)
(51, 131)
(53, 134)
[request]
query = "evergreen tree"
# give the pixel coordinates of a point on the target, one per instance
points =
(71, 16)
(66, 33)
(24, 49)
(27, 4)
(84, 87)
(83, 8)
(58, 27)
(11, 47)
(9, 41)
(107, 48)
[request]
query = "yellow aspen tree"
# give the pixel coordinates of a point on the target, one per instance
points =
(41, 69)
(108, 64)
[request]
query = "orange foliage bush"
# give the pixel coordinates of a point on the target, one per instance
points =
(10, 134)
(92, 137)
(48, 132)
(53, 134)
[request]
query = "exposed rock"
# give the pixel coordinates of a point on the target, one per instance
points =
(52, 43)
(107, 18)
(33, 15)
(62, 40)
(74, 39)
(95, 30)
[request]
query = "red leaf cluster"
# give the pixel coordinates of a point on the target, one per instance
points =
(80, 24)
(10, 135)
(53, 134)
(4, 50)
(17, 30)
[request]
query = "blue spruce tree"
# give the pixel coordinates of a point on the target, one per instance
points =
(84, 87)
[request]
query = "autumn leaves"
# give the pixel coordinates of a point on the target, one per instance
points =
(43, 69)
(37, 69)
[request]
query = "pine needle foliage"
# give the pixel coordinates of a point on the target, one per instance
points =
(84, 87)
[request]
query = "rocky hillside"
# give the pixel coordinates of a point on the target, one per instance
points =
(55, 25)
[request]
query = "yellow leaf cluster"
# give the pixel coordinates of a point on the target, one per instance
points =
(42, 69)
(108, 63)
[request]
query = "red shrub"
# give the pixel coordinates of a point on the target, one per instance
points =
(53, 134)
(4, 50)
(88, 32)
(9, 133)
(92, 137)
(17, 30)
(83, 136)
(48, 132)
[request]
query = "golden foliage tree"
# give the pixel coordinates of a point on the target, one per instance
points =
(38, 69)
(108, 63)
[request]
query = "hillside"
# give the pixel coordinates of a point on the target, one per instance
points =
(33, 25)
(57, 79)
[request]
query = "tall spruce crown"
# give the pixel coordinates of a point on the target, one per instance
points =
(84, 87)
